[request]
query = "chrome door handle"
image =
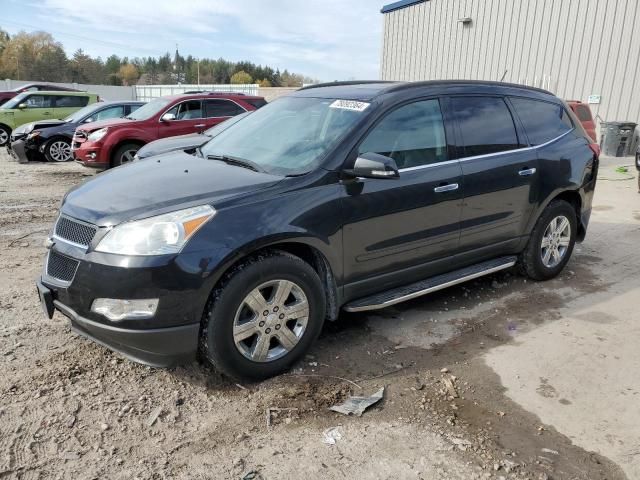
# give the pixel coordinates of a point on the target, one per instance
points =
(200, 125)
(446, 188)
(527, 172)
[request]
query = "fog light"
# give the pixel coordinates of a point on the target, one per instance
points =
(92, 155)
(116, 310)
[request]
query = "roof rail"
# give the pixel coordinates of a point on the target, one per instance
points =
(345, 83)
(198, 92)
(427, 83)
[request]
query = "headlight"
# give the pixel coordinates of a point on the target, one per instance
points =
(157, 235)
(34, 134)
(97, 135)
(29, 128)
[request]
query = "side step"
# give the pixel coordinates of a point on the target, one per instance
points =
(433, 284)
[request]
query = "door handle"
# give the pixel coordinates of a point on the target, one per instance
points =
(200, 125)
(526, 172)
(446, 188)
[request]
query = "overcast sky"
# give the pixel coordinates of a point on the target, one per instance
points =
(325, 39)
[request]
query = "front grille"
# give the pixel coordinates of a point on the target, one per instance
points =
(76, 232)
(61, 267)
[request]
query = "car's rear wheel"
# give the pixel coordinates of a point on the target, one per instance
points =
(263, 317)
(5, 134)
(58, 150)
(551, 242)
(125, 154)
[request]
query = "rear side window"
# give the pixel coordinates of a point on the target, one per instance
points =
(543, 121)
(111, 112)
(222, 108)
(583, 113)
(486, 125)
(71, 101)
(256, 102)
(413, 135)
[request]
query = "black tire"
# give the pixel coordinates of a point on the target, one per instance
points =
(531, 262)
(5, 134)
(123, 153)
(54, 156)
(217, 335)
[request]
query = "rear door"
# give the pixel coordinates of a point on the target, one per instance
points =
(188, 119)
(38, 107)
(65, 105)
(500, 173)
(217, 110)
(394, 228)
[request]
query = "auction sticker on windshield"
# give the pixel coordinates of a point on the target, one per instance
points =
(349, 105)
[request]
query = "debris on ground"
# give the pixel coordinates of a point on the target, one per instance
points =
(357, 405)
(154, 416)
(450, 386)
(274, 410)
(331, 435)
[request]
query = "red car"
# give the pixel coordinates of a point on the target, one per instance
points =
(583, 112)
(110, 143)
(31, 87)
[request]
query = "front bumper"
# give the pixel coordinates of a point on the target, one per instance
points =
(90, 154)
(170, 337)
(18, 151)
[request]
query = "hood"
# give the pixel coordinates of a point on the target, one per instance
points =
(169, 144)
(113, 122)
(27, 127)
(143, 189)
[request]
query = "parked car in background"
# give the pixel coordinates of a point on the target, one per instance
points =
(51, 139)
(638, 165)
(114, 142)
(186, 143)
(31, 106)
(32, 87)
(583, 112)
(352, 196)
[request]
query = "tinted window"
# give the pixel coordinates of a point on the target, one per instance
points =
(486, 125)
(543, 121)
(412, 135)
(39, 101)
(187, 110)
(131, 108)
(583, 113)
(257, 102)
(111, 112)
(71, 101)
(222, 108)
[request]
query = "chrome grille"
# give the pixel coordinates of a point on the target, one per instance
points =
(75, 232)
(61, 267)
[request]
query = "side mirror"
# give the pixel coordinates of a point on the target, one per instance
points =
(89, 120)
(167, 117)
(22, 106)
(374, 165)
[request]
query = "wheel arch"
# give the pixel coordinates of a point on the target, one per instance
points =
(572, 197)
(120, 143)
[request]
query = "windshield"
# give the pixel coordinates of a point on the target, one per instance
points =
(148, 110)
(221, 127)
(15, 101)
(289, 136)
(76, 117)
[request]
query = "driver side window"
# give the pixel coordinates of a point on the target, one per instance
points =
(189, 110)
(413, 135)
(38, 101)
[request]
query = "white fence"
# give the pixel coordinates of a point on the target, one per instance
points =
(106, 92)
(149, 92)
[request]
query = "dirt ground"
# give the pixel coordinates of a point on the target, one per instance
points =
(500, 378)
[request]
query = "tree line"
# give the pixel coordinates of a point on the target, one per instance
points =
(38, 56)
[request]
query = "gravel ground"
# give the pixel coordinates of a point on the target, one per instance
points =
(72, 409)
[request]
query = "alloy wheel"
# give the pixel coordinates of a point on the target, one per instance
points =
(555, 241)
(60, 151)
(4, 136)
(127, 156)
(271, 320)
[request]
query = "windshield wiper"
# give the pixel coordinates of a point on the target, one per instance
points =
(239, 162)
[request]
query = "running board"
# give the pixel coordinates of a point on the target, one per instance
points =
(433, 284)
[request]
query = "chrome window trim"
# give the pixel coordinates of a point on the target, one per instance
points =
(202, 100)
(488, 155)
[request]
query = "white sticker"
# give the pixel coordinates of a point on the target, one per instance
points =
(349, 105)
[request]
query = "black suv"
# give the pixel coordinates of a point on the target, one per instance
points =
(348, 196)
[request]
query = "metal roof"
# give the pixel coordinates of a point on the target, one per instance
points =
(400, 4)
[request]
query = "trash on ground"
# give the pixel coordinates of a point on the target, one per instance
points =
(450, 386)
(331, 435)
(548, 450)
(357, 405)
(154, 416)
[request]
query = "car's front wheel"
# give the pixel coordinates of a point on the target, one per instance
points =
(263, 317)
(58, 150)
(5, 134)
(551, 242)
(125, 154)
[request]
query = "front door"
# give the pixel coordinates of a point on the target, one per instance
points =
(188, 118)
(499, 171)
(37, 107)
(395, 227)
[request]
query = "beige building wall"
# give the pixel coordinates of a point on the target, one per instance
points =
(575, 48)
